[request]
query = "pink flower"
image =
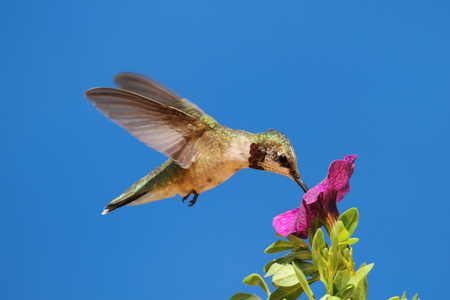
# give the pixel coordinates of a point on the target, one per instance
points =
(319, 201)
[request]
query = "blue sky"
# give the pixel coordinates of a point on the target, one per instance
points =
(356, 77)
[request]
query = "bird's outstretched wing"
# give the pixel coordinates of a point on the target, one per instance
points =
(154, 90)
(162, 127)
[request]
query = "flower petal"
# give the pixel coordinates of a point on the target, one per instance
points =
(339, 174)
(296, 221)
(319, 200)
(282, 223)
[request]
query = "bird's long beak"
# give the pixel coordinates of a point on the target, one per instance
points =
(302, 184)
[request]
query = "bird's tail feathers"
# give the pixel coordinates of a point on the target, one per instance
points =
(124, 199)
(145, 190)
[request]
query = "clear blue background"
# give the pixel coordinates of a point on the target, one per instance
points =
(337, 77)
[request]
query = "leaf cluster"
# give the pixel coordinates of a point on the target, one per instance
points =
(291, 273)
(333, 265)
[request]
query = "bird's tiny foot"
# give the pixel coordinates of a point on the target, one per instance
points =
(192, 202)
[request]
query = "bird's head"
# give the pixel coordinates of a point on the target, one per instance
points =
(274, 153)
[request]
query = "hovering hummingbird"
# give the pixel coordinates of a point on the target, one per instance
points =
(202, 153)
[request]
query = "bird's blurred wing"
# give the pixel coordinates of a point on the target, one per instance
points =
(154, 90)
(166, 129)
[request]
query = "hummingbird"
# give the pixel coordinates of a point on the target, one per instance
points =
(202, 153)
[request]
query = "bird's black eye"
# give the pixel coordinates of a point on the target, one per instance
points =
(283, 159)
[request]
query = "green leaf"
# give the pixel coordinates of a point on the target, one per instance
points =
(345, 261)
(346, 292)
(342, 233)
(285, 276)
(349, 241)
(303, 254)
(252, 279)
(256, 279)
(360, 292)
(340, 280)
(287, 293)
(273, 269)
(325, 253)
(269, 264)
(284, 259)
(350, 220)
(306, 267)
(334, 256)
(345, 252)
(298, 242)
(244, 296)
(325, 278)
(320, 256)
(303, 282)
(318, 244)
(279, 246)
(360, 275)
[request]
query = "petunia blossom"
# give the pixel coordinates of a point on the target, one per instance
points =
(319, 201)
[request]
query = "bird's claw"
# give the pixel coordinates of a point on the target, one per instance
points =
(191, 202)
